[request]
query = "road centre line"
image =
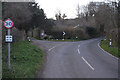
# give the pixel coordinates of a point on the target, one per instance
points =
(106, 51)
(88, 64)
(51, 48)
(54, 47)
(78, 49)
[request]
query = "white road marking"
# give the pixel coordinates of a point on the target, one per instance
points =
(88, 64)
(51, 48)
(106, 51)
(55, 47)
(78, 49)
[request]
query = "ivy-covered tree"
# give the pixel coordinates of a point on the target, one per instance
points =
(25, 15)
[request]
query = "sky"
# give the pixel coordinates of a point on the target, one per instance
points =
(51, 7)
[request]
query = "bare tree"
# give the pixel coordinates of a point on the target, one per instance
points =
(78, 11)
(86, 12)
(64, 16)
(58, 15)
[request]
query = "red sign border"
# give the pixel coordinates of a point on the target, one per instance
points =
(9, 20)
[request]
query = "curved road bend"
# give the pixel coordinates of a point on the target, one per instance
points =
(82, 59)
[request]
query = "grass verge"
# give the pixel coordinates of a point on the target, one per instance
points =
(69, 40)
(112, 50)
(25, 60)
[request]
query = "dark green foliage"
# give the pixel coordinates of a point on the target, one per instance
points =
(49, 23)
(102, 28)
(0, 10)
(57, 34)
(25, 15)
(118, 8)
(92, 32)
(38, 16)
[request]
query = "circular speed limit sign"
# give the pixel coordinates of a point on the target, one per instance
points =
(8, 23)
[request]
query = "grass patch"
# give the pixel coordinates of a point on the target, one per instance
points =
(112, 50)
(25, 60)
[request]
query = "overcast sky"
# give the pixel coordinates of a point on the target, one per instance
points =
(51, 7)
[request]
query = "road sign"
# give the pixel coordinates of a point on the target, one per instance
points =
(64, 33)
(8, 38)
(8, 23)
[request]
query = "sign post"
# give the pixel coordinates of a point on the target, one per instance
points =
(63, 34)
(110, 42)
(8, 24)
(9, 51)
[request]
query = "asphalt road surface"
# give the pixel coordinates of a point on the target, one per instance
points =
(81, 59)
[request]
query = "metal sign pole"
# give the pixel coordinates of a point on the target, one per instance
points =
(9, 52)
(8, 24)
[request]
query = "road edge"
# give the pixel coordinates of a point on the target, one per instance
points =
(106, 51)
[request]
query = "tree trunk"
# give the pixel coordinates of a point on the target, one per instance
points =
(23, 34)
(26, 32)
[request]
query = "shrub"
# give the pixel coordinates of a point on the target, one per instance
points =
(92, 32)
